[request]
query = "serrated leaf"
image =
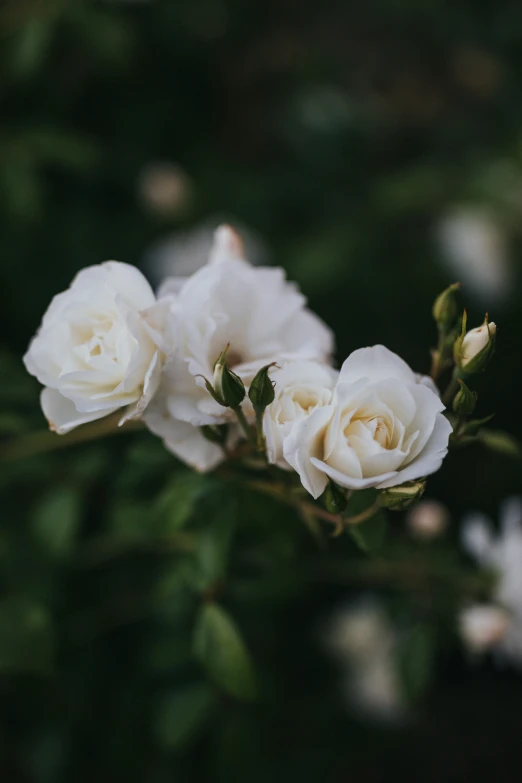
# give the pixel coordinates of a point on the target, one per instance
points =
(25, 636)
(221, 650)
(56, 520)
(182, 714)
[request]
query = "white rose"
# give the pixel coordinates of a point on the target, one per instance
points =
(254, 309)
(383, 427)
(93, 352)
(475, 341)
(300, 388)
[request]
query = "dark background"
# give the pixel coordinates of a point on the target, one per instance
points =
(340, 134)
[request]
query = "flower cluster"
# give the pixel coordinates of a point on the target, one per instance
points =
(109, 343)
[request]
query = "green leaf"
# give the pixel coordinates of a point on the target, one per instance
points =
(182, 714)
(25, 636)
(220, 648)
(176, 503)
(209, 564)
(56, 521)
(416, 660)
(370, 535)
(501, 442)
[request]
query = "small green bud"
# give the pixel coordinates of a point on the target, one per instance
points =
(474, 349)
(445, 308)
(261, 391)
(402, 496)
(227, 388)
(335, 499)
(465, 400)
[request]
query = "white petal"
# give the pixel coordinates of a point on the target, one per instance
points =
(150, 386)
(184, 440)
(376, 364)
(350, 482)
(61, 414)
(306, 441)
(431, 457)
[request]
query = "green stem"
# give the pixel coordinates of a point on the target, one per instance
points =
(247, 429)
(44, 441)
(259, 430)
(438, 356)
(453, 386)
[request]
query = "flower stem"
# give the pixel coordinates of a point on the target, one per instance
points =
(259, 430)
(43, 441)
(247, 429)
(447, 397)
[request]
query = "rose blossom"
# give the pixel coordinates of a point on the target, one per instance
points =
(93, 352)
(383, 427)
(300, 388)
(254, 309)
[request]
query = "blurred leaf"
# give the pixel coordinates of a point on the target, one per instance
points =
(56, 520)
(369, 535)
(25, 636)
(182, 714)
(209, 565)
(416, 660)
(220, 648)
(501, 442)
(176, 503)
(30, 47)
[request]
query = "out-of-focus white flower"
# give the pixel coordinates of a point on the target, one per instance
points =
(383, 427)
(502, 553)
(362, 641)
(164, 188)
(474, 246)
(93, 351)
(256, 311)
(300, 388)
(484, 626)
(183, 253)
(428, 519)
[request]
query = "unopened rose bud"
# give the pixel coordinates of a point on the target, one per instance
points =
(428, 519)
(335, 499)
(445, 308)
(465, 400)
(474, 350)
(227, 388)
(402, 496)
(483, 626)
(261, 391)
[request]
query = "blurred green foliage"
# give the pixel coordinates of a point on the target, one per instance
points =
(156, 625)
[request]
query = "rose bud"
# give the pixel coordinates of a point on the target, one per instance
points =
(445, 308)
(465, 400)
(227, 388)
(400, 497)
(474, 350)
